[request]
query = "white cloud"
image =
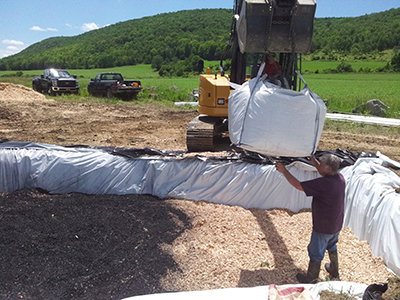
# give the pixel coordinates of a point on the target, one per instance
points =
(12, 42)
(89, 26)
(4, 53)
(86, 26)
(14, 47)
(38, 28)
(7, 52)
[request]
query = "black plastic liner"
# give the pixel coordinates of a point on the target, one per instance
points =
(348, 158)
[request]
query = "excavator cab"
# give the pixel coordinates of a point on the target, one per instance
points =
(284, 27)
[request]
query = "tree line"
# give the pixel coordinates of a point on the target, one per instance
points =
(176, 43)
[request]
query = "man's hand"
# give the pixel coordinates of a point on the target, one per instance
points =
(280, 167)
(315, 162)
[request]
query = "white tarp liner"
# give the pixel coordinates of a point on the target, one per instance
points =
(363, 119)
(63, 170)
(260, 292)
(372, 208)
(372, 203)
(274, 121)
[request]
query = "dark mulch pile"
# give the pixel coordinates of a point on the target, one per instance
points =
(78, 246)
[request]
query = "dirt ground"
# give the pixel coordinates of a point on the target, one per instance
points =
(78, 246)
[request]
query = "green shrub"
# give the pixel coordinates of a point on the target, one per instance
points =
(344, 67)
(395, 62)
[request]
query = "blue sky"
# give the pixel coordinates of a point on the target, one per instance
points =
(25, 22)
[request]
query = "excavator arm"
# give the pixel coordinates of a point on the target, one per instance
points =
(260, 27)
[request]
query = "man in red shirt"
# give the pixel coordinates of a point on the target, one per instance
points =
(328, 194)
(272, 68)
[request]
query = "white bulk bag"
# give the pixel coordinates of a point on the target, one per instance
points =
(274, 121)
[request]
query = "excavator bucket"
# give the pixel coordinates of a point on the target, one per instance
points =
(284, 26)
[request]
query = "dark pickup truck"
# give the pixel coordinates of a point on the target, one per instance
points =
(113, 85)
(54, 81)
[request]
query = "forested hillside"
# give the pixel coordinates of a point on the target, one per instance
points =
(187, 36)
(176, 35)
(357, 36)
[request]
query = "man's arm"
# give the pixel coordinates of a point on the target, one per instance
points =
(289, 177)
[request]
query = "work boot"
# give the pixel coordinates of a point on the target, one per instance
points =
(333, 267)
(312, 273)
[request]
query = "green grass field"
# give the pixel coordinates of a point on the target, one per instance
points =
(320, 66)
(342, 91)
(144, 73)
(169, 90)
(346, 91)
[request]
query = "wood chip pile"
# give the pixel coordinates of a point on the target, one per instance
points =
(77, 246)
(235, 247)
(18, 93)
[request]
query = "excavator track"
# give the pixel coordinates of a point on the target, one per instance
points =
(205, 133)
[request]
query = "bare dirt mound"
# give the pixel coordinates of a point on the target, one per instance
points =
(109, 247)
(26, 115)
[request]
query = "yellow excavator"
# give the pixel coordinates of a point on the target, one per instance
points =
(259, 27)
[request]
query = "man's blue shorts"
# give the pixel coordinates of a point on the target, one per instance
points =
(321, 242)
